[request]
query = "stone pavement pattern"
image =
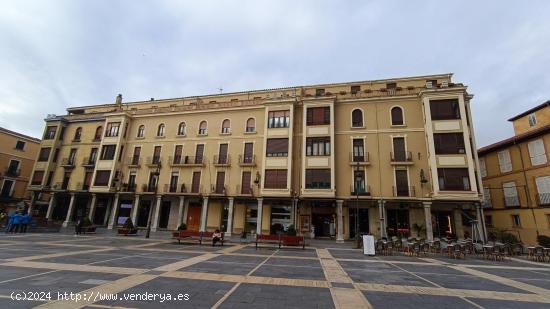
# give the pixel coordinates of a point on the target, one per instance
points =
(239, 276)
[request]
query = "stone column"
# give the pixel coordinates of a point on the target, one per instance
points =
(481, 223)
(204, 213)
(155, 223)
(382, 216)
(31, 205)
(260, 216)
(92, 207)
(230, 217)
(108, 212)
(114, 212)
(428, 219)
(135, 210)
(180, 211)
(459, 229)
(339, 222)
(51, 205)
(70, 211)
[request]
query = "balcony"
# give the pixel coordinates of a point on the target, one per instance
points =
(80, 186)
(403, 191)
(128, 187)
(148, 188)
(512, 201)
(244, 190)
(12, 172)
(67, 162)
(88, 162)
(189, 161)
(170, 188)
(218, 189)
(176, 160)
(223, 160)
(360, 190)
(401, 158)
(154, 161)
(134, 161)
(543, 199)
(195, 189)
(359, 159)
(247, 160)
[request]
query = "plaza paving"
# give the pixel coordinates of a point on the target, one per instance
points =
(325, 275)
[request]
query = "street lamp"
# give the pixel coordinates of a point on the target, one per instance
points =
(357, 184)
(156, 175)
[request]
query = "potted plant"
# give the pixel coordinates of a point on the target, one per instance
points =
(88, 226)
(182, 227)
(128, 228)
(291, 231)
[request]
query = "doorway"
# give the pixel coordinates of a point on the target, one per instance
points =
(362, 223)
(442, 222)
(143, 214)
(323, 224)
(194, 217)
(398, 222)
(164, 214)
(100, 211)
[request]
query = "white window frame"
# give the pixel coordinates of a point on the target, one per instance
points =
(543, 189)
(504, 161)
(513, 216)
(487, 197)
(482, 168)
(537, 152)
(510, 193)
(532, 118)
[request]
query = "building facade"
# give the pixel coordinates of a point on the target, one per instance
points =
(386, 157)
(17, 156)
(516, 177)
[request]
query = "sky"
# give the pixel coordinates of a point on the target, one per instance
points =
(57, 54)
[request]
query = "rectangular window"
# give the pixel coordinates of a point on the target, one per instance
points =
(537, 152)
(318, 116)
(13, 168)
(449, 143)
(222, 154)
(44, 154)
(358, 152)
(7, 187)
(543, 190)
(87, 180)
(277, 147)
(199, 153)
(50, 132)
(401, 183)
(93, 156)
(108, 152)
(178, 150)
(510, 191)
(516, 221)
(135, 156)
(174, 182)
(156, 155)
(317, 178)
(359, 182)
(275, 179)
(62, 133)
(245, 183)
(55, 155)
(532, 120)
(132, 180)
(50, 178)
(504, 161)
(319, 92)
(195, 184)
(72, 157)
(487, 197)
(102, 178)
(447, 109)
(318, 146)
(391, 85)
(248, 153)
(112, 129)
(489, 221)
(278, 119)
(483, 168)
(453, 179)
(399, 154)
(37, 178)
(20, 145)
(355, 89)
(220, 183)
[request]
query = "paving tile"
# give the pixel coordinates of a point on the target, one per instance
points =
(314, 273)
(506, 304)
(217, 267)
(296, 252)
(293, 262)
(469, 282)
(405, 300)
(271, 296)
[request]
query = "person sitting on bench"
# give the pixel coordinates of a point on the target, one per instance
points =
(216, 237)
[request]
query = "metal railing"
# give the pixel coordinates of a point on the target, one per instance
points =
(13, 172)
(218, 189)
(401, 156)
(247, 160)
(193, 160)
(359, 158)
(154, 160)
(543, 198)
(404, 191)
(174, 188)
(148, 188)
(196, 189)
(134, 161)
(511, 201)
(88, 162)
(360, 190)
(222, 160)
(244, 190)
(67, 162)
(175, 160)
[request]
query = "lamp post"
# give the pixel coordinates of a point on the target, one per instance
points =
(357, 184)
(156, 174)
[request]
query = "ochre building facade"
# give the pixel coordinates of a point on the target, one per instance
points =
(386, 157)
(516, 177)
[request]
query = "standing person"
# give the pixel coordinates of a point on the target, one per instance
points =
(9, 224)
(216, 237)
(78, 227)
(25, 220)
(16, 222)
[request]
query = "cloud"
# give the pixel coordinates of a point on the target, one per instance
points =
(70, 53)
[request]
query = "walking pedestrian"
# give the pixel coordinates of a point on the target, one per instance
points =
(25, 220)
(78, 227)
(16, 223)
(9, 224)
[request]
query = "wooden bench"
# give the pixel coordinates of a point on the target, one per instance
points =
(294, 241)
(208, 235)
(187, 235)
(268, 239)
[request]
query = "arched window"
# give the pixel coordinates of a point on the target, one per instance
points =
(226, 126)
(98, 132)
(141, 131)
(181, 128)
(357, 118)
(77, 134)
(397, 116)
(160, 131)
(203, 127)
(251, 125)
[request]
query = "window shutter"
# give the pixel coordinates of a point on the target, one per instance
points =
(537, 152)
(248, 150)
(543, 184)
(277, 145)
(504, 161)
(483, 168)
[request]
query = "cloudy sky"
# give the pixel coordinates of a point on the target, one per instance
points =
(55, 54)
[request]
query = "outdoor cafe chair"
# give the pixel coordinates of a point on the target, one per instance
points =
(538, 254)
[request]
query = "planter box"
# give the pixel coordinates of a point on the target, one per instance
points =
(127, 232)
